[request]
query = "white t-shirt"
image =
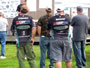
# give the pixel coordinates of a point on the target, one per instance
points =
(3, 24)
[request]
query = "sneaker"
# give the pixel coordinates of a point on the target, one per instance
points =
(25, 58)
(3, 57)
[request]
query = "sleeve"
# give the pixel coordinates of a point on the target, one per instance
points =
(68, 19)
(39, 22)
(33, 24)
(73, 21)
(13, 24)
(18, 8)
(6, 21)
(50, 23)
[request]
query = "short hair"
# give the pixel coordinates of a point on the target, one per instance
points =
(79, 8)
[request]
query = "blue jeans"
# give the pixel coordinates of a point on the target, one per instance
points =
(79, 52)
(3, 42)
(44, 45)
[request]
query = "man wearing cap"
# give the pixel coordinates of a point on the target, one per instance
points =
(44, 38)
(25, 30)
(80, 30)
(3, 34)
(60, 44)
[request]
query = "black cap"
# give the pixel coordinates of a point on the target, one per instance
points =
(58, 10)
(79, 8)
(24, 7)
(48, 9)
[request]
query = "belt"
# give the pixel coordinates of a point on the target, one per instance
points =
(42, 36)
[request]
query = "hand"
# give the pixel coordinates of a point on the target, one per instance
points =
(32, 41)
(48, 33)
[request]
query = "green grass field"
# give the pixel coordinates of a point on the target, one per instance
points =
(12, 62)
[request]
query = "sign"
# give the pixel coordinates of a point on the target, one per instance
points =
(8, 8)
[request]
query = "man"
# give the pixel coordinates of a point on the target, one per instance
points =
(19, 6)
(60, 45)
(44, 37)
(3, 34)
(80, 30)
(25, 30)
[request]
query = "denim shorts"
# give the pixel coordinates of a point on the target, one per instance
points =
(61, 50)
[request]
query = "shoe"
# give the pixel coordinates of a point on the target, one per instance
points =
(3, 57)
(25, 58)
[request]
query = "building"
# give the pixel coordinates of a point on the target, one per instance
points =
(37, 8)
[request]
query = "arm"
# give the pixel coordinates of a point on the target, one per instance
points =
(73, 21)
(39, 27)
(7, 24)
(50, 23)
(33, 35)
(39, 30)
(33, 32)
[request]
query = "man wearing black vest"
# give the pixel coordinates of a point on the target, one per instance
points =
(25, 30)
(60, 45)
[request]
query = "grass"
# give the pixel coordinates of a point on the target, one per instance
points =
(12, 62)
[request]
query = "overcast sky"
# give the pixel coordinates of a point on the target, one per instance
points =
(74, 3)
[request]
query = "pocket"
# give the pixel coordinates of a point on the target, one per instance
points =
(33, 55)
(68, 43)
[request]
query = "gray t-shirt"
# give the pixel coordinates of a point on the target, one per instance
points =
(80, 27)
(3, 24)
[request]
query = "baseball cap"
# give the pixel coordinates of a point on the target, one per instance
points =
(48, 9)
(59, 9)
(79, 8)
(24, 9)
